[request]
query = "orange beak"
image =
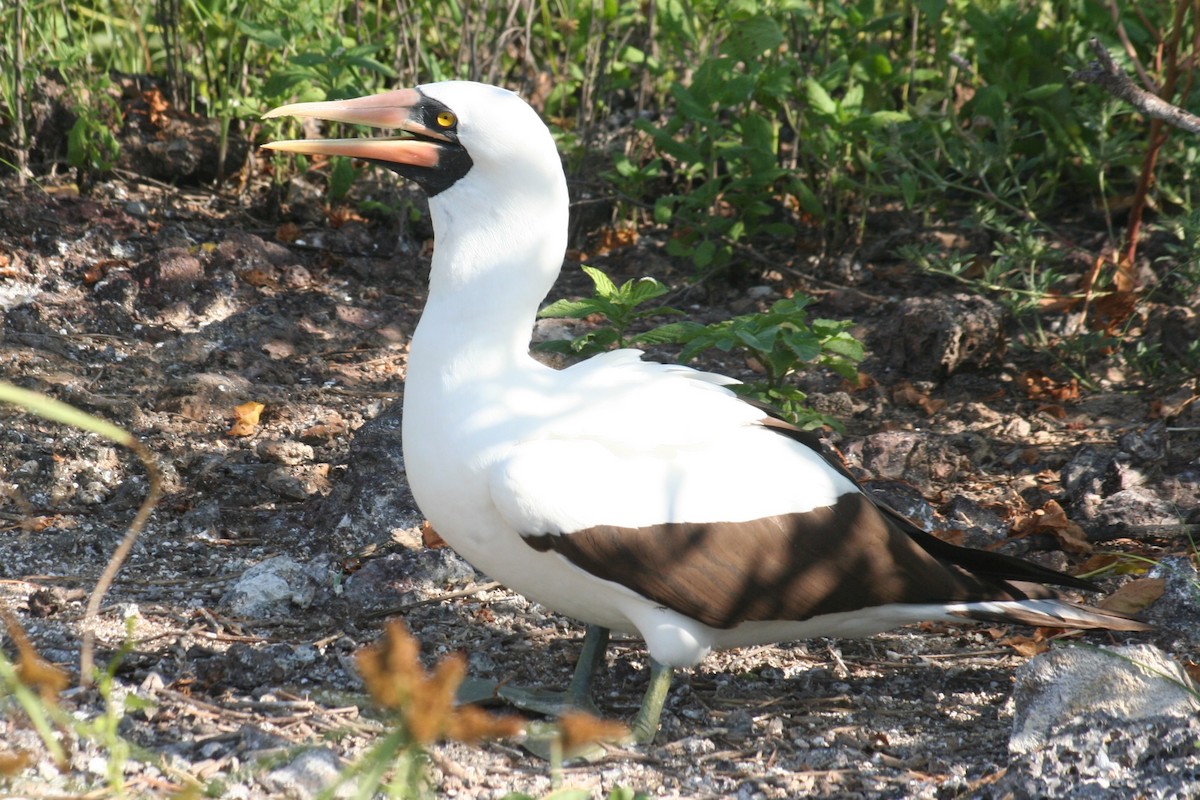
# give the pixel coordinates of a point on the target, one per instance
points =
(418, 145)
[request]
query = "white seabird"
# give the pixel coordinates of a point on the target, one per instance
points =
(634, 496)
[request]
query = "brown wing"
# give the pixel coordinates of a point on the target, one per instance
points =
(852, 555)
(791, 567)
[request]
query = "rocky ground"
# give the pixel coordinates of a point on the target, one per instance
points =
(283, 544)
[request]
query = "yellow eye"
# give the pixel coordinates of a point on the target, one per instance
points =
(446, 119)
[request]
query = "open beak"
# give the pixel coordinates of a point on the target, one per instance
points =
(417, 146)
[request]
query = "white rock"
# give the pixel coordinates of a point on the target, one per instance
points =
(1130, 683)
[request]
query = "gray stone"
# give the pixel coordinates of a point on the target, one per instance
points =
(309, 774)
(1177, 611)
(1129, 683)
(277, 586)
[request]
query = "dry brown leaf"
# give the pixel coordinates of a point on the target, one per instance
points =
(259, 277)
(1053, 409)
(1135, 595)
(1192, 669)
(1028, 646)
(616, 239)
(156, 106)
(579, 729)
(861, 382)
(430, 537)
(287, 233)
(245, 419)
(1110, 312)
(340, 215)
(392, 672)
(14, 762)
(1051, 519)
(469, 724)
(904, 393)
(40, 675)
(1040, 386)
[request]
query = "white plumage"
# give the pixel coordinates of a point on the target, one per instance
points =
(634, 496)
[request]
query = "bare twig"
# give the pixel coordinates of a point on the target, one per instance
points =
(1104, 73)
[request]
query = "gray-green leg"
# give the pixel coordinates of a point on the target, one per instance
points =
(579, 693)
(646, 725)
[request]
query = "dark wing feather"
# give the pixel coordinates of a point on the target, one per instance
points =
(984, 563)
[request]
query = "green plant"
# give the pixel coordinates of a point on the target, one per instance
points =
(92, 145)
(781, 340)
(619, 306)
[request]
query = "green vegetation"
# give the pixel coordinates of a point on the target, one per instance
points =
(749, 131)
(780, 340)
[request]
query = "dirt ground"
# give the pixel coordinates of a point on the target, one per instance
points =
(164, 309)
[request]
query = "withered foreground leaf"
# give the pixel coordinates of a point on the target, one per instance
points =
(391, 668)
(35, 672)
(579, 729)
(13, 762)
(395, 679)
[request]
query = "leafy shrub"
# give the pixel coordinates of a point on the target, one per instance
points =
(781, 339)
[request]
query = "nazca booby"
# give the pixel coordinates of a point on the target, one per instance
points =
(634, 496)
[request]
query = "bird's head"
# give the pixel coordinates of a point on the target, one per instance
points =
(446, 131)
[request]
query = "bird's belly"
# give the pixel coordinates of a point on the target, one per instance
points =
(457, 502)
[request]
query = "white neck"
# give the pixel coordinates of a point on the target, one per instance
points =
(496, 255)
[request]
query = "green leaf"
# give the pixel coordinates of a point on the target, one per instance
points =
(671, 333)
(263, 34)
(884, 119)
(604, 285)
(574, 309)
(753, 36)
(1042, 92)
(341, 177)
(819, 99)
(638, 292)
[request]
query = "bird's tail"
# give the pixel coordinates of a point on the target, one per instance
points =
(1047, 613)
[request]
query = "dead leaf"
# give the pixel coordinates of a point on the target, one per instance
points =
(259, 277)
(14, 762)
(1054, 410)
(1040, 386)
(340, 215)
(1111, 311)
(430, 537)
(32, 670)
(1135, 595)
(392, 672)
(156, 106)
(1051, 519)
(579, 729)
(904, 393)
(245, 419)
(861, 382)
(287, 233)
(1028, 646)
(616, 239)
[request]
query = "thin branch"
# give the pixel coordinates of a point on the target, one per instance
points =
(1104, 73)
